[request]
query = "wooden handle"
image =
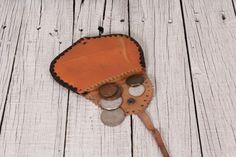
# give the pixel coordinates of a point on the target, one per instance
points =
(156, 134)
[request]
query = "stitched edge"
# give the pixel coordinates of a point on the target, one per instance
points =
(74, 89)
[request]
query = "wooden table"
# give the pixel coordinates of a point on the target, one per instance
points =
(190, 52)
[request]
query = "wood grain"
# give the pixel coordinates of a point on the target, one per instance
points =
(189, 48)
(35, 114)
(157, 25)
(10, 28)
(211, 35)
(234, 6)
(86, 134)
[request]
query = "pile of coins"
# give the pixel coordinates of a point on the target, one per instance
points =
(111, 99)
(135, 82)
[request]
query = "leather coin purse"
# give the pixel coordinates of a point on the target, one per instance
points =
(110, 71)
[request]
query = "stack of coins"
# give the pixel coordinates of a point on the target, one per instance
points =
(135, 82)
(111, 100)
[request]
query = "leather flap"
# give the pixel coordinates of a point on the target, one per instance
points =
(93, 61)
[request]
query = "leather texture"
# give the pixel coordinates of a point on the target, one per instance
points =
(97, 60)
(156, 134)
(141, 102)
(94, 61)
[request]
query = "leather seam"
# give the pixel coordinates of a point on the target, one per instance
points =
(71, 87)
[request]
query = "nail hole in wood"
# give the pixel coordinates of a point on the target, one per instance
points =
(223, 17)
(100, 29)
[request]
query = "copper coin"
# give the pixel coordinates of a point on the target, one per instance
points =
(111, 104)
(113, 117)
(108, 90)
(135, 80)
(117, 95)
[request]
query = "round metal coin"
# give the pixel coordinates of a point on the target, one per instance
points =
(135, 80)
(112, 118)
(117, 95)
(108, 90)
(137, 90)
(111, 104)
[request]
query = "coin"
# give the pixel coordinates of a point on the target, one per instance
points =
(112, 118)
(137, 90)
(117, 95)
(135, 80)
(108, 90)
(111, 104)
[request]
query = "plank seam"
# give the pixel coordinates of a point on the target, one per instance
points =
(68, 96)
(73, 22)
(191, 77)
(40, 12)
(128, 18)
(67, 113)
(131, 135)
(131, 117)
(12, 69)
(233, 7)
(104, 10)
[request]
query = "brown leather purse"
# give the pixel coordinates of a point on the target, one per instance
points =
(110, 71)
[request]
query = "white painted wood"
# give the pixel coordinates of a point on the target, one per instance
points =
(234, 6)
(86, 134)
(34, 123)
(212, 44)
(35, 114)
(116, 17)
(10, 21)
(157, 25)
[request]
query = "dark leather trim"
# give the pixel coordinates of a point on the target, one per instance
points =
(74, 89)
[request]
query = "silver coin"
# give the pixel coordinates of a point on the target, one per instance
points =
(137, 90)
(111, 104)
(112, 118)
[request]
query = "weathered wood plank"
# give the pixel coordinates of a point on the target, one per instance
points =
(211, 34)
(10, 24)
(234, 6)
(157, 25)
(86, 135)
(35, 114)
